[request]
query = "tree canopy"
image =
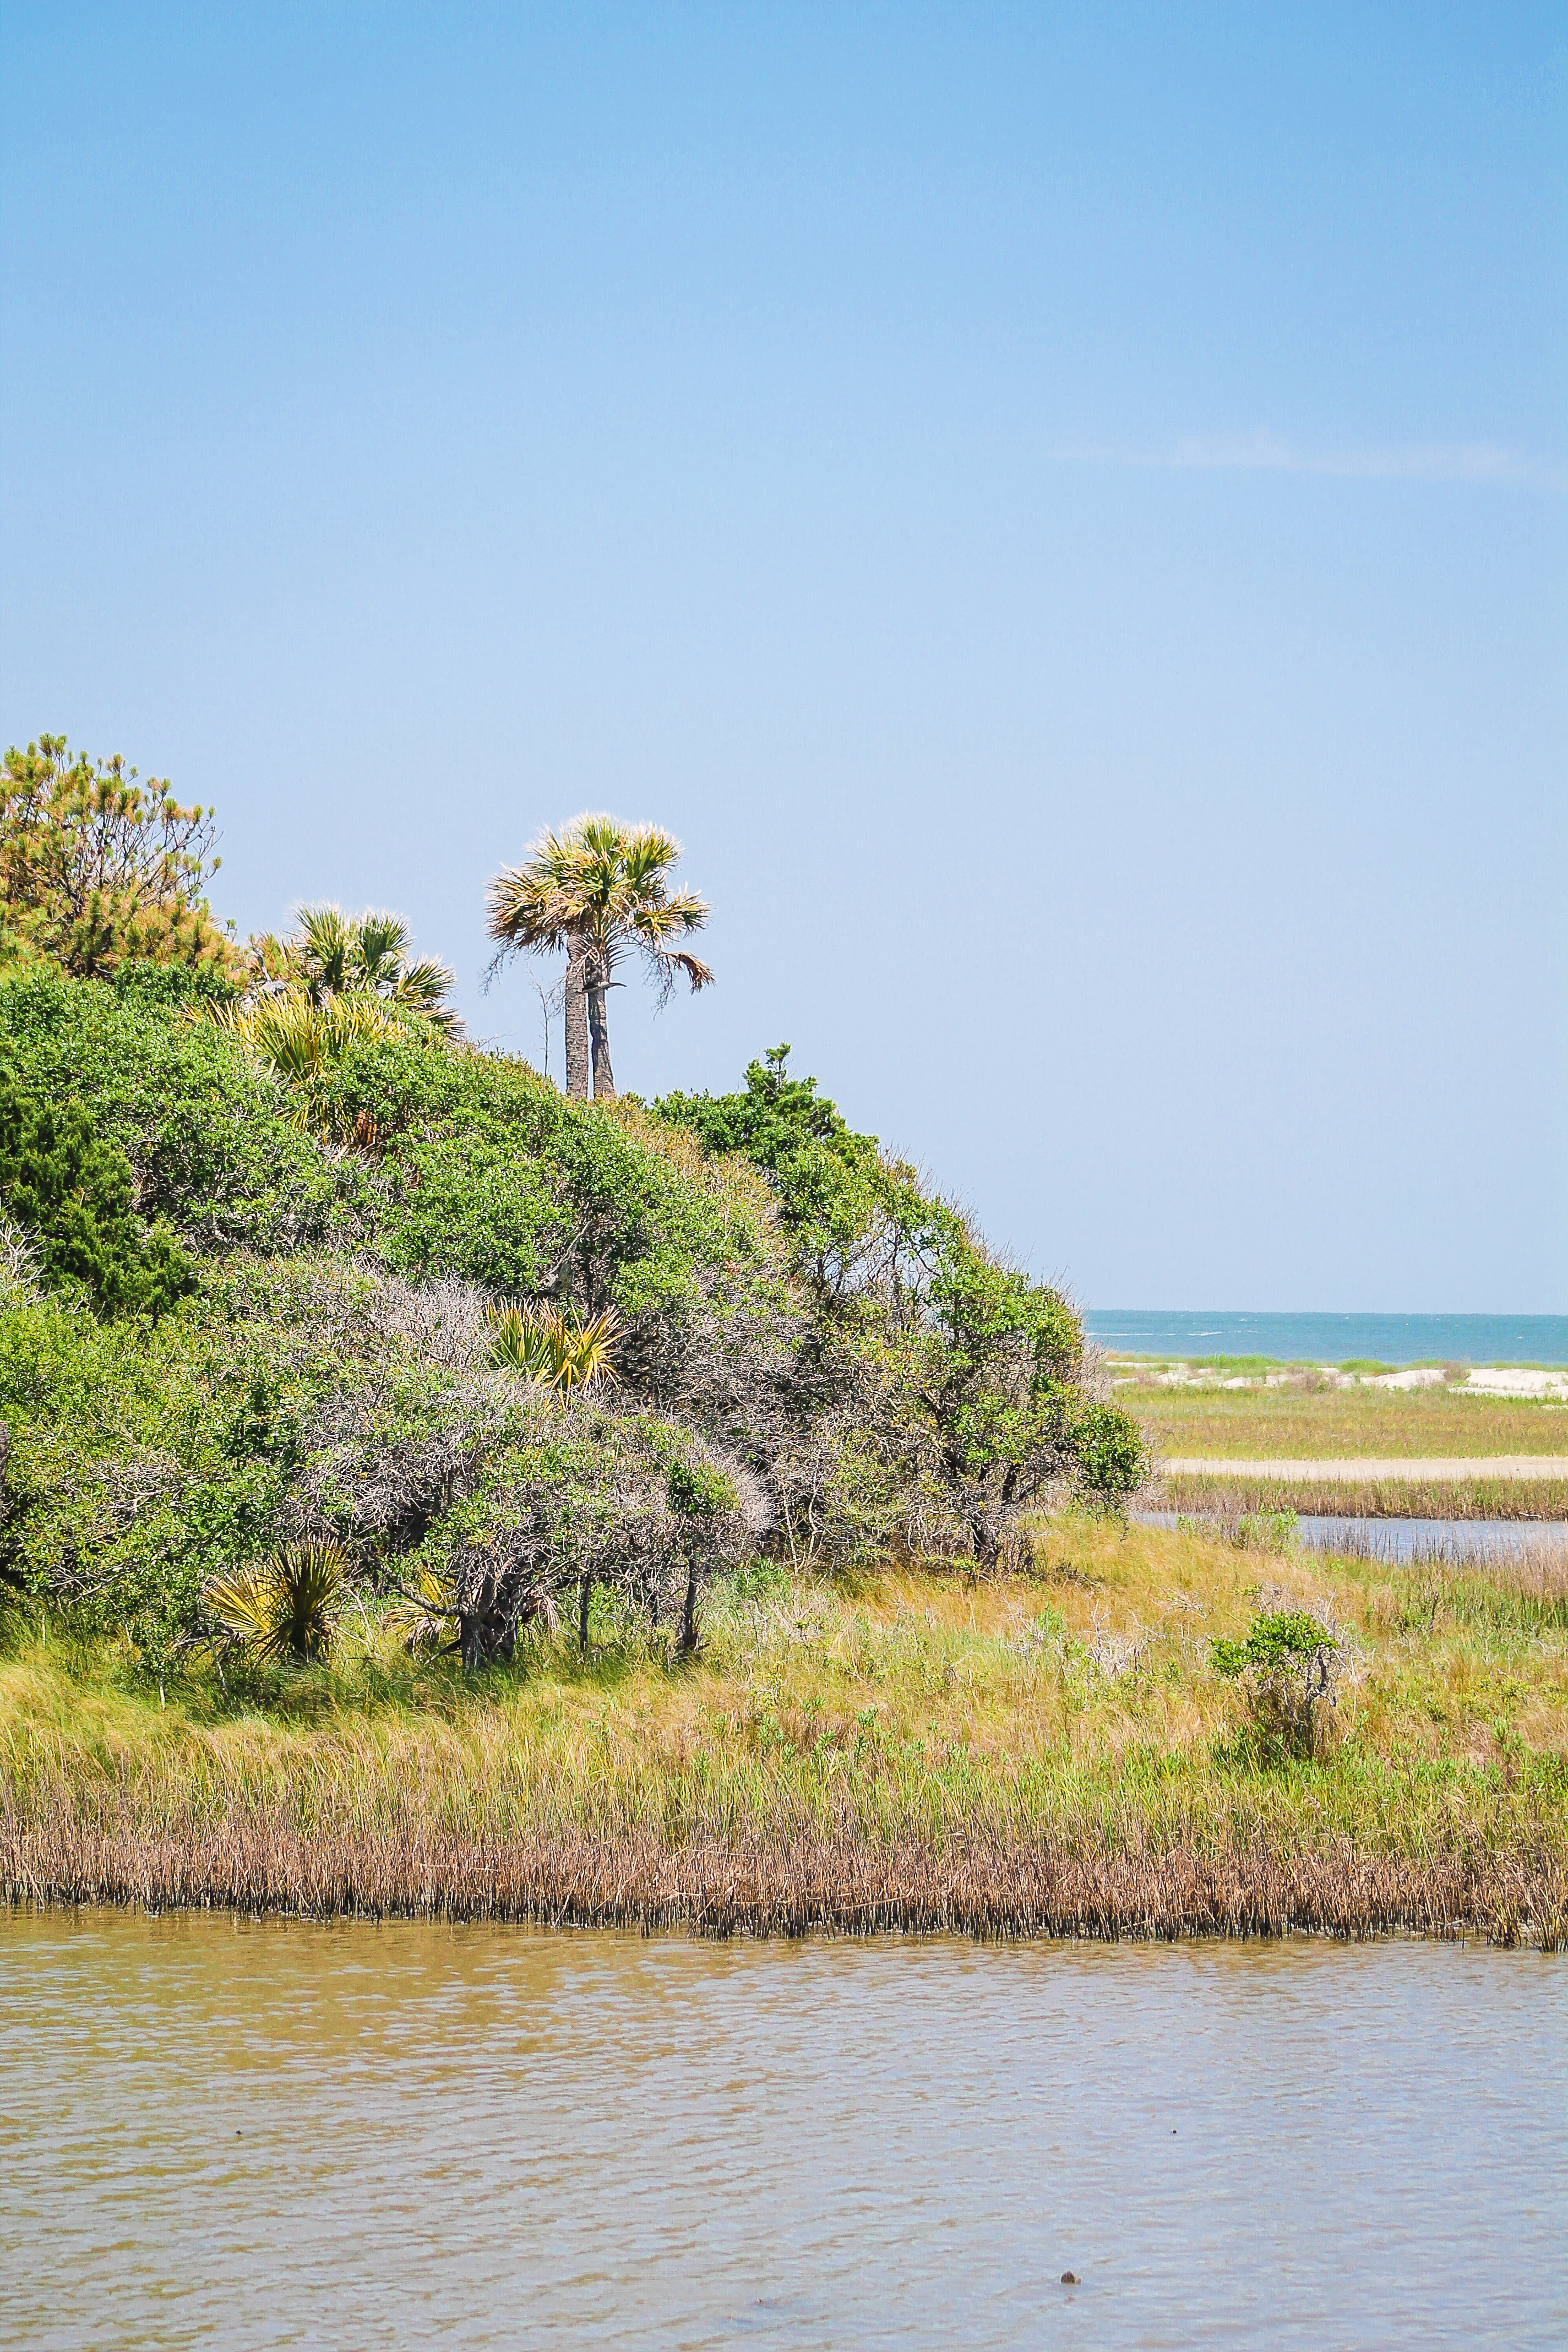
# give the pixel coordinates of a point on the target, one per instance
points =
(97, 871)
(601, 890)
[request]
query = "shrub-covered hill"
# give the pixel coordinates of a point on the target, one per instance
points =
(271, 1325)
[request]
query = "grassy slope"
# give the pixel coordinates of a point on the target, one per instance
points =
(1054, 1750)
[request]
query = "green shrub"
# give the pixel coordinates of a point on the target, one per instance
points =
(1291, 1666)
(1112, 1455)
(824, 1177)
(205, 1131)
(72, 1192)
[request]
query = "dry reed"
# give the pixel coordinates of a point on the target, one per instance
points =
(1051, 1754)
(70, 1846)
(1388, 1498)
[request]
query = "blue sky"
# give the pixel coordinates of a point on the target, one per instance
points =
(1065, 513)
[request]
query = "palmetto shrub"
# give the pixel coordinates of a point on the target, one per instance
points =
(299, 1039)
(552, 1350)
(286, 1608)
(330, 956)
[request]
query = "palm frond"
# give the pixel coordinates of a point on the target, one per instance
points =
(324, 948)
(429, 1613)
(553, 1351)
(299, 1039)
(286, 1607)
(330, 956)
(381, 948)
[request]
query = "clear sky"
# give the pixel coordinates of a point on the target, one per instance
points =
(1065, 512)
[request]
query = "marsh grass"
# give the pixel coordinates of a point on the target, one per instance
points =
(1302, 1419)
(1052, 1751)
(1200, 1496)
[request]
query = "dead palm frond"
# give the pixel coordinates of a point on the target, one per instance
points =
(555, 1350)
(286, 1607)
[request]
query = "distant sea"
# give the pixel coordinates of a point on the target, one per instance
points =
(1335, 1339)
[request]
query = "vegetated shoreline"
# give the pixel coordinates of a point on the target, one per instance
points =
(1398, 1497)
(1046, 1754)
(798, 1881)
(1349, 1469)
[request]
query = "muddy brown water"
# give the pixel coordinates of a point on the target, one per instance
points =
(274, 2133)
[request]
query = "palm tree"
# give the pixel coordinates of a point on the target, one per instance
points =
(598, 888)
(329, 954)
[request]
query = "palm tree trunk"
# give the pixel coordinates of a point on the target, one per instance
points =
(576, 1015)
(599, 1025)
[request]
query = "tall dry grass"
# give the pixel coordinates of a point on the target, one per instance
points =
(68, 1846)
(1380, 1498)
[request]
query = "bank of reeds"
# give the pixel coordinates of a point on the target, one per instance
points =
(797, 1879)
(1382, 1498)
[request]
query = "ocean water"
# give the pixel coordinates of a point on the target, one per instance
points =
(1334, 1338)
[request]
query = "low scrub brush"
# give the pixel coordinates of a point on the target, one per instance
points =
(1292, 1667)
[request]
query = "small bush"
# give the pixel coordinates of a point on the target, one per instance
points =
(286, 1608)
(1269, 1531)
(1112, 1456)
(555, 1350)
(1291, 1666)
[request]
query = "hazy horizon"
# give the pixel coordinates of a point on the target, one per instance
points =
(1065, 514)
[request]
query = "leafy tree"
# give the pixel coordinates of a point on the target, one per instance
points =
(699, 1494)
(992, 1386)
(981, 1371)
(72, 1189)
(599, 889)
(828, 1181)
(97, 871)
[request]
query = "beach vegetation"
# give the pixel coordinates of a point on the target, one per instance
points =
(67, 1193)
(890, 1745)
(333, 959)
(1291, 1666)
(286, 1607)
(552, 1350)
